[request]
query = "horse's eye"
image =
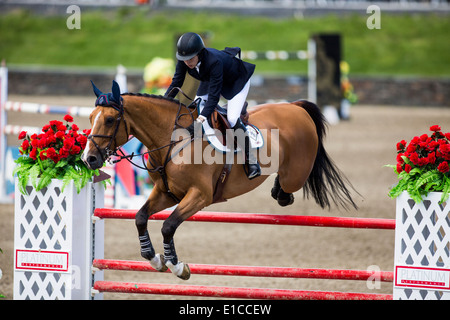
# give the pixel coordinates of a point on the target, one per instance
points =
(109, 121)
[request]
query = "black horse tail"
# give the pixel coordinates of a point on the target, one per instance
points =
(326, 181)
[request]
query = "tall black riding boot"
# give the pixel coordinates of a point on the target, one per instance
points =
(251, 162)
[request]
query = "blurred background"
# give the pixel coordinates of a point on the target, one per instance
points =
(404, 62)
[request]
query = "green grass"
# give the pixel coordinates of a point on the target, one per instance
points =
(405, 44)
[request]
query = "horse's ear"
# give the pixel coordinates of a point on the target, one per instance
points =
(116, 91)
(96, 90)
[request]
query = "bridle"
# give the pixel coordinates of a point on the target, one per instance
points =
(106, 153)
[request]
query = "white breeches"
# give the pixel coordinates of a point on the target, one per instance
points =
(235, 105)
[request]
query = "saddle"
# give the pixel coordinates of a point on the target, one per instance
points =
(219, 120)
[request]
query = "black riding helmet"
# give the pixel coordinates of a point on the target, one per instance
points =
(189, 45)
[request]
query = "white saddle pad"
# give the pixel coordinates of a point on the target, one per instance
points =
(214, 138)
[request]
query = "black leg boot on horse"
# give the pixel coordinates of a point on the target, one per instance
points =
(147, 250)
(252, 167)
(283, 198)
(180, 269)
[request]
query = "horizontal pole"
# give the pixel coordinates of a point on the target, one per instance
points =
(252, 271)
(257, 218)
(230, 292)
(11, 129)
(27, 107)
(276, 55)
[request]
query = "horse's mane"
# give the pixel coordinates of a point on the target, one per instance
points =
(153, 96)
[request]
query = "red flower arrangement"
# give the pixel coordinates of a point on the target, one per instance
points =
(55, 153)
(423, 165)
(54, 142)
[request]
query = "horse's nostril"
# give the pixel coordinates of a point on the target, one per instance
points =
(92, 159)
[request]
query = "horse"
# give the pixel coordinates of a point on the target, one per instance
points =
(298, 148)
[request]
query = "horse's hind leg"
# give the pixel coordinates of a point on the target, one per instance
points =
(276, 188)
(283, 198)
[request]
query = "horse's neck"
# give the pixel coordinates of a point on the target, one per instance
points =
(151, 119)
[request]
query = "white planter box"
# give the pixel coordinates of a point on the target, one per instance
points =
(53, 236)
(422, 249)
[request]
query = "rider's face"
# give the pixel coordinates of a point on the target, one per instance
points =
(191, 63)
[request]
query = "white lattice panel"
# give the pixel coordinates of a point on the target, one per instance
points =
(53, 239)
(422, 249)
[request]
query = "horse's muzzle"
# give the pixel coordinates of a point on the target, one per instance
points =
(93, 161)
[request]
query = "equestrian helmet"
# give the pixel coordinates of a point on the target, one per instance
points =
(189, 45)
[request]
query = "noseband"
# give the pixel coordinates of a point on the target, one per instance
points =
(106, 153)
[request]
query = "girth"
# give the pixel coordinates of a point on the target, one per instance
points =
(219, 121)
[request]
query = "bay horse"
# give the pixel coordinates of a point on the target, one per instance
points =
(301, 157)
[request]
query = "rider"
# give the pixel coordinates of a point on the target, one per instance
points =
(220, 73)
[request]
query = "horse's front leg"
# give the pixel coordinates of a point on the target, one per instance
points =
(156, 202)
(193, 202)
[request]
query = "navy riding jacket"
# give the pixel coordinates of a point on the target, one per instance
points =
(220, 73)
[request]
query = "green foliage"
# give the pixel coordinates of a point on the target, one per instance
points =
(418, 183)
(133, 37)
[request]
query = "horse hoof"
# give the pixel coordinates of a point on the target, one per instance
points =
(158, 263)
(286, 201)
(186, 274)
(181, 269)
(163, 267)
